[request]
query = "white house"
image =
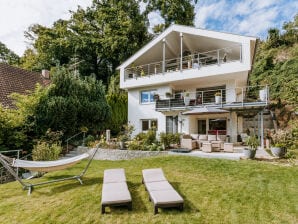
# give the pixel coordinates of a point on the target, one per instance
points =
(172, 82)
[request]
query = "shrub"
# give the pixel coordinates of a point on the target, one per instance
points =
(154, 147)
(89, 140)
(44, 151)
(135, 145)
(167, 139)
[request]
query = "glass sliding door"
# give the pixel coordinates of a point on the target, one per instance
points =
(171, 124)
(201, 126)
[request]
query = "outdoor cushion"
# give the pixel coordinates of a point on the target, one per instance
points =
(211, 137)
(203, 137)
(115, 197)
(194, 136)
(165, 197)
(114, 176)
(159, 185)
(153, 175)
(221, 138)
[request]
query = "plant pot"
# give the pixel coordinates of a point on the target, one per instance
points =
(278, 152)
(263, 94)
(217, 99)
(186, 101)
(249, 153)
(122, 145)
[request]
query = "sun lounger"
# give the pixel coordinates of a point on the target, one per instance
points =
(161, 192)
(114, 190)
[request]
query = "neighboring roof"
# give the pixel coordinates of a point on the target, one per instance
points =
(13, 79)
(186, 30)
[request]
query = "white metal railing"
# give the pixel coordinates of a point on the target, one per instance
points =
(191, 61)
(216, 97)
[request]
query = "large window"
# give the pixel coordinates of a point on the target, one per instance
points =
(148, 124)
(147, 96)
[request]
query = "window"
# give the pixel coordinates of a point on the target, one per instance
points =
(148, 124)
(171, 124)
(147, 96)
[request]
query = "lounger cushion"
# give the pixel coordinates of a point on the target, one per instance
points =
(114, 176)
(153, 175)
(115, 193)
(165, 197)
(159, 185)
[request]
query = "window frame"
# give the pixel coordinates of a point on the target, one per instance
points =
(149, 92)
(149, 124)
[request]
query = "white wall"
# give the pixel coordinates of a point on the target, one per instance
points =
(138, 111)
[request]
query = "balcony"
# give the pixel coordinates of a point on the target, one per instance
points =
(233, 98)
(189, 61)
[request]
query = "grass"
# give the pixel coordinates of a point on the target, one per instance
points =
(215, 191)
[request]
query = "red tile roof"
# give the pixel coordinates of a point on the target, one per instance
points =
(13, 79)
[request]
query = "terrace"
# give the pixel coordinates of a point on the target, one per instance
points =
(188, 61)
(227, 98)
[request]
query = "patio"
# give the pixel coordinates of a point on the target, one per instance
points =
(236, 155)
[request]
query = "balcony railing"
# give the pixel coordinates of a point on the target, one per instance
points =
(191, 61)
(232, 97)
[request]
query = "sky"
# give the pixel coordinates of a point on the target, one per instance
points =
(247, 17)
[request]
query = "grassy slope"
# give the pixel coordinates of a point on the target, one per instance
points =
(215, 191)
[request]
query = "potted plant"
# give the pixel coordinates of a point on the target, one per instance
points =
(168, 94)
(252, 143)
(217, 97)
(186, 98)
(156, 96)
(279, 143)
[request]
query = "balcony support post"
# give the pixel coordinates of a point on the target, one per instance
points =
(181, 51)
(218, 62)
(262, 130)
(163, 56)
(242, 96)
(240, 53)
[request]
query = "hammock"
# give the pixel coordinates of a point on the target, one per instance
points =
(45, 166)
(48, 166)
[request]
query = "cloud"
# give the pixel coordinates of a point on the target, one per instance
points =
(248, 17)
(17, 15)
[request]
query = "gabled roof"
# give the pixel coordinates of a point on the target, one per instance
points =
(17, 80)
(187, 30)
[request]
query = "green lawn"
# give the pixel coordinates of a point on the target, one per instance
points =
(215, 191)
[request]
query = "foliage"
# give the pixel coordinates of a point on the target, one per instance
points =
(44, 151)
(97, 39)
(72, 103)
(8, 56)
(18, 126)
(174, 11)
(126, 133)
(166, 139)
(277, 63)
(118, 105)
(135, 144)
(252, 142)
(279, 138)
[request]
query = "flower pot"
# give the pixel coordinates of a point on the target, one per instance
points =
(122, 145)
(278, 152)
(249, 153)
(217, 99)
(263, 94)
(186, 101)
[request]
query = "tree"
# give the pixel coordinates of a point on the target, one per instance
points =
(8, 56)
(96, 40)
(117, 99)
(71, 103)
(172, 11)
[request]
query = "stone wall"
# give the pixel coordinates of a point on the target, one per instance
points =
(116, 154)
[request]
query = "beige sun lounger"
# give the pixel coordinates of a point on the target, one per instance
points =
(114, 190)
(161, 192)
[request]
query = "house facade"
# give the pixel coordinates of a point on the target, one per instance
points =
(193, 81)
